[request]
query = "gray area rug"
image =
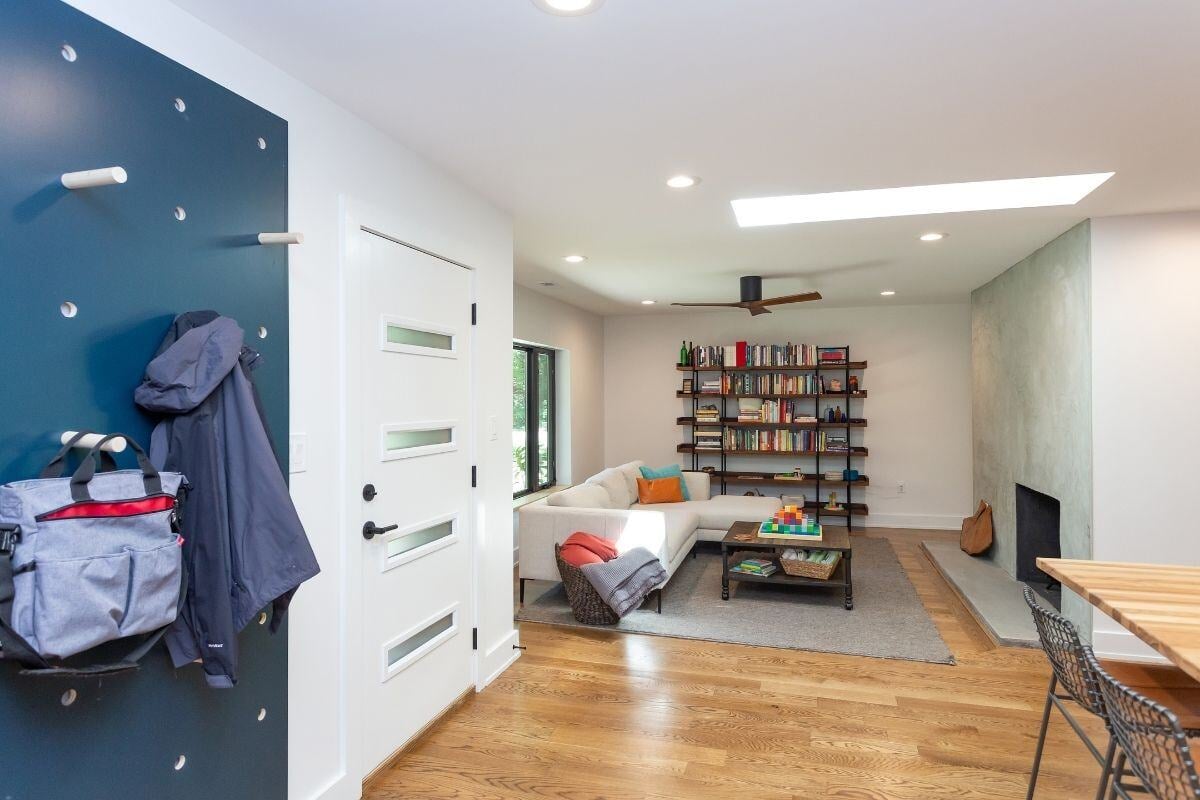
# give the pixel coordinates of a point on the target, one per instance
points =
(888, 620)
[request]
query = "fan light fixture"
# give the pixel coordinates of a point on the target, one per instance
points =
(944, 198)
(887, 293)
(932, 237)
(682, 181)
(574, 259)
(568, 8)
(649, 302)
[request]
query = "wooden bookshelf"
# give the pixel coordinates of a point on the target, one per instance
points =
(816, 462)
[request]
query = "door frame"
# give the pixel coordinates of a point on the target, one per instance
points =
(356, 220)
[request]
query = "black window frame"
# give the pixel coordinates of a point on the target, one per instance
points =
(532, 401)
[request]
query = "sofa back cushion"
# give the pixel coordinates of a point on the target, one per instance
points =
(632, 471)
(613, 481)
(660, 490)
(585, 495)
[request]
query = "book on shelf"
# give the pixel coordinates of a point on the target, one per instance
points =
(744, 354)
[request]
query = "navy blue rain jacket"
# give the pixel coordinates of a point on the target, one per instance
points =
(244, 545)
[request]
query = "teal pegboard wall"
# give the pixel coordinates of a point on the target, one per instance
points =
(120, 255)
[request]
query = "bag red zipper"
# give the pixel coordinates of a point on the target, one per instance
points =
(102, 509)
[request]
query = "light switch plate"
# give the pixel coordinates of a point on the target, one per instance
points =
(298, 452)
(493, 428)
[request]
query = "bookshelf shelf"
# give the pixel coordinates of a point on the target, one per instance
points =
(855, 452)
(771, 479)
(853, 365)
(830, 395)
(721, 436)
(732, 422)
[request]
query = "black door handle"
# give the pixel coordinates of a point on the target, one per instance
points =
(370, 531)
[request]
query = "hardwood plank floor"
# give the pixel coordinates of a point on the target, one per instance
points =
(595, 714)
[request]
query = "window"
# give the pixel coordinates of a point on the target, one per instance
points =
(533, 419)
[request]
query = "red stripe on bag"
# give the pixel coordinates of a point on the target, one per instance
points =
(114, 508)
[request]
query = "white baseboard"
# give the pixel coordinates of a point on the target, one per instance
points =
(937, 522)
(1122, 645)
(499, 658)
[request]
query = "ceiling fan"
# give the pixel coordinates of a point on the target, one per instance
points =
(752, 299)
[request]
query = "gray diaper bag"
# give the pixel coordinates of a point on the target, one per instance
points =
(88, 559)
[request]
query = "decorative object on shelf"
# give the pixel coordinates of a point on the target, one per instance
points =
(849, 475)
(753, 493)
(853, 384)
(832, 505)
(835, 385)
(687, 386)
(832, 475)
(685, 358)
(838, 416)
(708, 469)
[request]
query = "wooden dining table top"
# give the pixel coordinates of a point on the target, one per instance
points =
(1159, 603)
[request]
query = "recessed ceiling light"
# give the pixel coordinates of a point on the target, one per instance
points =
(887, 293)
(574, 259)
(547, 283)
(944, 198)
(649, 302)
(682, 181)
(568, 8)
(932, 237)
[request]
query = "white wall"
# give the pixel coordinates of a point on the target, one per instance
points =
(332, 152)
(579, 366)
(918, 408)
(1145, 384)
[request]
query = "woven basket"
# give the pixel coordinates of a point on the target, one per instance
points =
(807, 569)
(586, 604)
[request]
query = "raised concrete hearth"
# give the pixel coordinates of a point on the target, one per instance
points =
(995, 600)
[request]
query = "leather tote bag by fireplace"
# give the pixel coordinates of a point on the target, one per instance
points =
(976, 536)
(88, 559)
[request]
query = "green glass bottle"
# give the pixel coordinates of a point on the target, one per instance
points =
(683, 353)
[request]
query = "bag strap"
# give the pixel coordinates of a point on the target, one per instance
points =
(57, 466)
(87, 470)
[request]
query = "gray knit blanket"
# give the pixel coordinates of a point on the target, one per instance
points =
(625, 581)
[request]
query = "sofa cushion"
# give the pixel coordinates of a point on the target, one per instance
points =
(662, 532)
(660, 490)
(722, 511)
(632, 471)
(586, 495)
(669, 471)
(613, 481)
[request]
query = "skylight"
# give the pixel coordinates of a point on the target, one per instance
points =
(904, 201)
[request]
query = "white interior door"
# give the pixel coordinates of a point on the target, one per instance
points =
(414, 393)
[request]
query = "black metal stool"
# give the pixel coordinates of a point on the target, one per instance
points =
(1070, 666)
(1153, 743)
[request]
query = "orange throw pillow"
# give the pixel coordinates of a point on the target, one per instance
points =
(660, 490)
(577, 555)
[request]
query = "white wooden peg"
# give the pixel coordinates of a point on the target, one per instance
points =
(90, 440)
(281, 238)
(89, 178)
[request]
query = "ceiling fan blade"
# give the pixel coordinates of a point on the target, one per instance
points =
(803, 297)
(757, 308)
(710, 305)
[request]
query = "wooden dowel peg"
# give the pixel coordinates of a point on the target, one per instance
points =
(281, 239)
(89, 178)
(91, 439)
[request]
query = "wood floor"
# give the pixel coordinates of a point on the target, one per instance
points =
(592, 714)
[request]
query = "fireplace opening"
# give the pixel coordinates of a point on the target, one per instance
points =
(1037, 537)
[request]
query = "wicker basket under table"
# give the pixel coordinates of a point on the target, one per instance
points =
(586, 603)
(808, 569)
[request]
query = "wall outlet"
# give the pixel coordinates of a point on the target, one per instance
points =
(900, 487)
(297, 452)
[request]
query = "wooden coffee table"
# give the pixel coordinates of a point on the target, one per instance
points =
(744, 536)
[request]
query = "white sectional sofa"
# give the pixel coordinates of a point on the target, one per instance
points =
(606, 505)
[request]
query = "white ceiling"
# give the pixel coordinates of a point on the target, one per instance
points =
(574, 123)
